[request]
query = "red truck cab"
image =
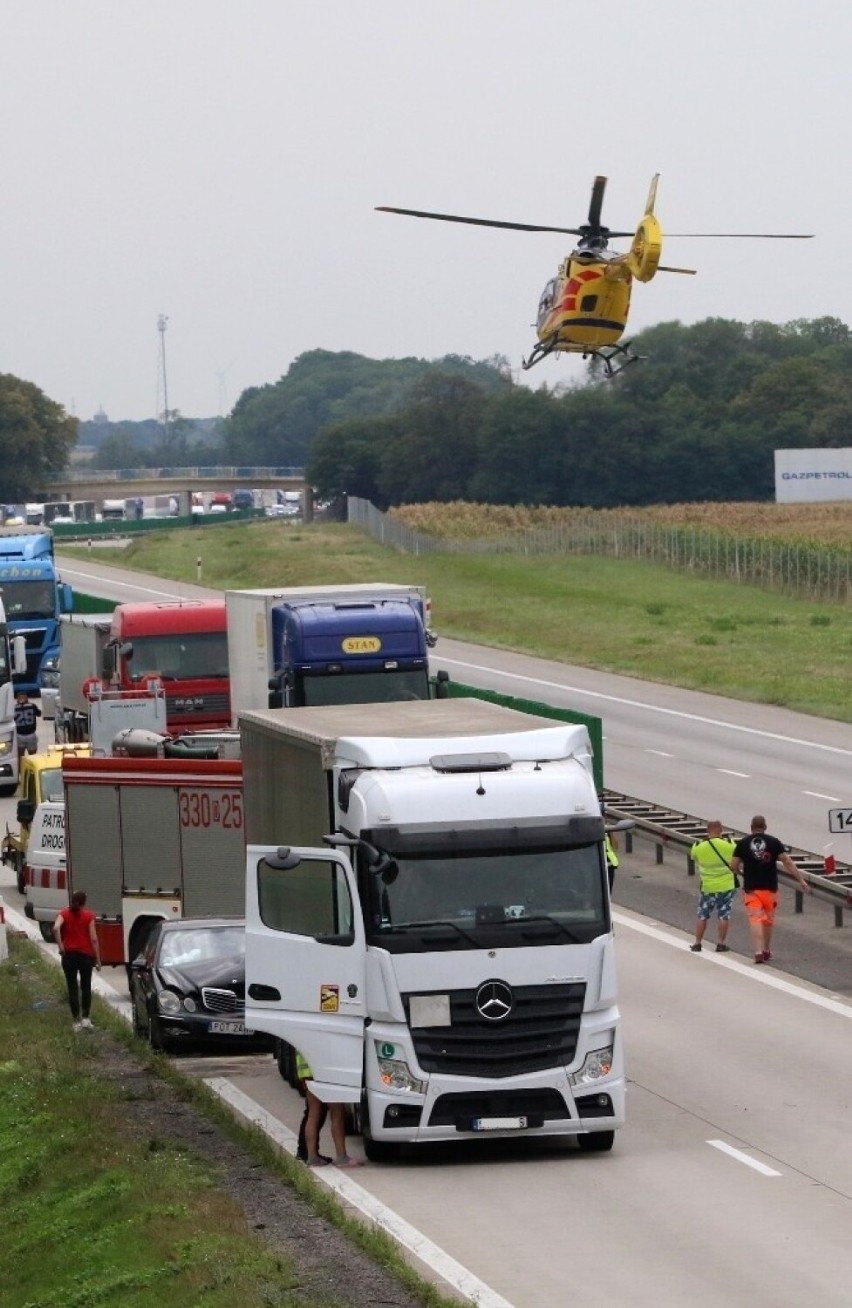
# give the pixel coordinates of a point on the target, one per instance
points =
(185, 645)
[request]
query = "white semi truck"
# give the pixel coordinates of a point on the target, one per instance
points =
(428, 918)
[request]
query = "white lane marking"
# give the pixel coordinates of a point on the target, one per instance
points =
(661, 753)
(467, 1285)
(729, 772)
(815, 794)
(756, 974)
(146, 590)
(653, 708)
(744, 1158)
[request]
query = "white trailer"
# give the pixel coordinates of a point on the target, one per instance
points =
(449, 963)
(250, 659)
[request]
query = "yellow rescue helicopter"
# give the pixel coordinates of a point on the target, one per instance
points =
(584, 308)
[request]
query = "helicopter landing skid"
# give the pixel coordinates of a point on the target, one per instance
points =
(615, 358)
(539, 351)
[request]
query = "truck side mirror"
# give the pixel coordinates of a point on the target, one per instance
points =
(109, 662)
(19, 655)
(25, 811)
(66, 598)
(442, 685)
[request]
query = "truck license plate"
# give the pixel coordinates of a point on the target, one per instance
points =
(499, 1123)
(229, 1028)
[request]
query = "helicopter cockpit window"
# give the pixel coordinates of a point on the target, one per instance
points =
(548, 295)
(589, 303)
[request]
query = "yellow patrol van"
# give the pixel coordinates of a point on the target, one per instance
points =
(40, 782)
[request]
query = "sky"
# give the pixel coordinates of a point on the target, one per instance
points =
(218, 162)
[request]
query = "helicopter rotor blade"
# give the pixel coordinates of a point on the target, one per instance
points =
(744, 236)
(479, 222)
(596, 203)
(652, 194)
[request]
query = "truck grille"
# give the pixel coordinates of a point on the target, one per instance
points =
(209, 702)
(540, 1032)
(221, 1001)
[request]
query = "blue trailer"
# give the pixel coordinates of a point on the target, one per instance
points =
(33, 597)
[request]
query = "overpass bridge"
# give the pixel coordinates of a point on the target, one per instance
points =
(83, 483)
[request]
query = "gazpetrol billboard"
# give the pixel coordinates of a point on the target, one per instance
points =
(812, 476)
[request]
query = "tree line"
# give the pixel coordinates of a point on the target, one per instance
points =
(698, 418)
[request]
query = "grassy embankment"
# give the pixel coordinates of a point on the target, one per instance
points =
(99, 1207)
(635, 618)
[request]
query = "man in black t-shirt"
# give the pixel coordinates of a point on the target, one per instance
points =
(757, 857)
(26, 713)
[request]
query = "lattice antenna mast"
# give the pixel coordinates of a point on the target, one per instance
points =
(162, 376)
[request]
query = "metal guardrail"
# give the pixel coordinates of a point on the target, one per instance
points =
(667, 826)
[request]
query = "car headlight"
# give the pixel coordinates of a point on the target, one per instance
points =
(5, 746)
(168, 1001)
(596, 1065)
(395, 1074)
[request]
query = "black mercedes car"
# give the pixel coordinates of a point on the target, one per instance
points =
(187, 987)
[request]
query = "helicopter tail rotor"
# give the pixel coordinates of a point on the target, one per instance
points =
(643, 258)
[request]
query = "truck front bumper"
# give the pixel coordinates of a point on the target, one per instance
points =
(542, 1105)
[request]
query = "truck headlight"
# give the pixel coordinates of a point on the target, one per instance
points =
(5, 745)
(395, 1074)
(596, 1065)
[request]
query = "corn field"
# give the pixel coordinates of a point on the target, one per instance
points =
(810, 569)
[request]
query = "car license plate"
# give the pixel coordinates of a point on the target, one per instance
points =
(499, 1123)
(229, 1028)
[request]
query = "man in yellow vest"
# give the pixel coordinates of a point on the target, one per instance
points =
(712, 857)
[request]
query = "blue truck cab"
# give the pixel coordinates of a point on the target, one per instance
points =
(33, 597)
(349, 653)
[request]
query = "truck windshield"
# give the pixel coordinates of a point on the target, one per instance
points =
(364, 688)
(180, 655)
(490, 900)
(28, 599)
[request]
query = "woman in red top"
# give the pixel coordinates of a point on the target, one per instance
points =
(79, 950)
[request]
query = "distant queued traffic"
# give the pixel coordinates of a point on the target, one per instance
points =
(273, 503)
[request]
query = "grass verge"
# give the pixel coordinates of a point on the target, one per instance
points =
(99, 1209)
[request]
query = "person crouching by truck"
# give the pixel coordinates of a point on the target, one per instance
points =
(26, 713)
(314, 1119)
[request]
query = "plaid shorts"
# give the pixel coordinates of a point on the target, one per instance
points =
(720, 903)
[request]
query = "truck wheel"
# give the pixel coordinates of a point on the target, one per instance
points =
(283, 1054)
(20, 874)
(46, 929)
(380, 1151)
(377, 1151)
(596, 1142)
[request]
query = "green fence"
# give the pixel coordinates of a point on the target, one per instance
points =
(593, 725)
(91, 603)
(83, 531)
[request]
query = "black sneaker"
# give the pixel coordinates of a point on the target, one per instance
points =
(695, 949)
(723, 949)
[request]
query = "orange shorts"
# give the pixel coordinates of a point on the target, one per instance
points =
(760, 905)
